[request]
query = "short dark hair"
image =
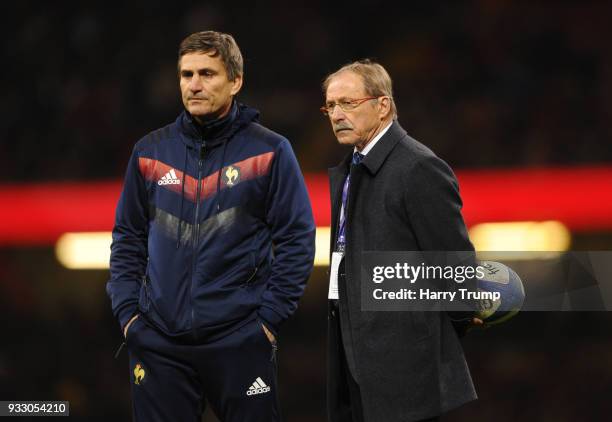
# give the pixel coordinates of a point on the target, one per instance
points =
(217, 43)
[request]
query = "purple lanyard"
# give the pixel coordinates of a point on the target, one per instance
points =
(341, 239)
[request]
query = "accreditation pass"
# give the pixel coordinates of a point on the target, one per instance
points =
(333, 275)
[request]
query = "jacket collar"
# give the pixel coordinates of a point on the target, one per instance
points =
(216, 132)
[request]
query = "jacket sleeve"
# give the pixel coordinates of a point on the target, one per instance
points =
(129, 247)
(289, 217)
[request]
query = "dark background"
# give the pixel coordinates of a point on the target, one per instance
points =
(484, 83)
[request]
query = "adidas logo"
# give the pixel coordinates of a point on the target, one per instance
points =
(258, 387)
(169, 179)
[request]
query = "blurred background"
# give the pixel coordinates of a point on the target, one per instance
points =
(516, 96)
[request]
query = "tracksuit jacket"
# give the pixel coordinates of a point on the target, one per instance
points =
(213, 229)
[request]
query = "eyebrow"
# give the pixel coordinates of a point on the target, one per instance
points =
(200, 71)
(338, 100)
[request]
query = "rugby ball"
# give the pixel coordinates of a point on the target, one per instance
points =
(509, 297)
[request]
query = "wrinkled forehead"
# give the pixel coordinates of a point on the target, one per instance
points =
(345, 85)
(200, 60)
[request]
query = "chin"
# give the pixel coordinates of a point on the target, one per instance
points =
(346, 140)
(201, 112)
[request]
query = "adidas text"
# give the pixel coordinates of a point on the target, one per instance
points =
(168, 182)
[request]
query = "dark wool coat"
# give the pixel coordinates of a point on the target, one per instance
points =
(409, 365)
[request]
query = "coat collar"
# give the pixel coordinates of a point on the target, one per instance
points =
(375, 158)
(373, 161)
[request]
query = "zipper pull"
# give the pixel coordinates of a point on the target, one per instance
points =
(274, 350)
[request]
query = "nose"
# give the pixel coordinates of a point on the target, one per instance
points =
(195, 84)
(337, 114)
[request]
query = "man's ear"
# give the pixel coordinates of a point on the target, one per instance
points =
(384, 107)
(237, 84)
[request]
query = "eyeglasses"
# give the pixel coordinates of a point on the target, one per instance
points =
(345, 105)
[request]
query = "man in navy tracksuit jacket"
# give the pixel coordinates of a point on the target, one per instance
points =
(212, 246)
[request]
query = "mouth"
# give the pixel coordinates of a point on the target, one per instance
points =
(341, 131)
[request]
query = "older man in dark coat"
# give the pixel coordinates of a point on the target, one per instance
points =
(390, 194)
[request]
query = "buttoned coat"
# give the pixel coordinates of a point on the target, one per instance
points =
(409, 365)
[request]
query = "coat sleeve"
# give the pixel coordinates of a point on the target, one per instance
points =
(129, 247)
(436, 206)
(289, 217)
(439, 226)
